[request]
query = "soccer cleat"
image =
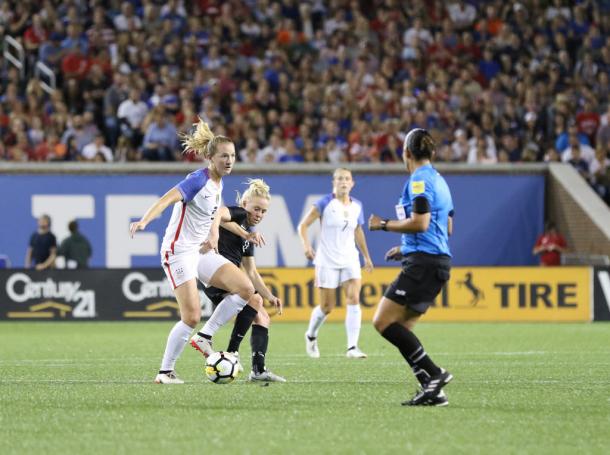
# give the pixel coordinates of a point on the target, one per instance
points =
(265, 376)
(438, 401)
(355, 353)
(311, 346)
(203, 345)
(240, 367)
(168, 378)
(431, 389)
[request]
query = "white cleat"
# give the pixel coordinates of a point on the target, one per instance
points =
(240, 368)
(168, 378)
(203, 345)
(311, 346)
(355, 353)
(265, 376)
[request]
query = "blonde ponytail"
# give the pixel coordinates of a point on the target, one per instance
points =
(202, 141)
(256, 188)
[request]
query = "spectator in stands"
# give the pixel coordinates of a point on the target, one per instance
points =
(249, 153)
(550, 245)
(273, 151)
(75, 248)
(462, 14)
(50, 52)
(42, 249)
(264, 69)
(160, 141)
(131, 114)
(460, 146)
(563, 140)
(96, 150)
(600, 172)
(585, 152)
(291, 153)
(127, 21)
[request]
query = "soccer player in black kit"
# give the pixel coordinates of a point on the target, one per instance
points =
(254, 204)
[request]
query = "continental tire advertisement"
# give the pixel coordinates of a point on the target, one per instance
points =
(473, 294)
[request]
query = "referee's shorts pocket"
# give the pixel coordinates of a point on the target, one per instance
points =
(415, 272)
(443, 274)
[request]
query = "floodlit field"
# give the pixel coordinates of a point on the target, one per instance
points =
(77, 388)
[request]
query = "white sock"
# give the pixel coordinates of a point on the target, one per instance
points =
(353, 321)
(224, 312)
(176, 341)
(317, 319)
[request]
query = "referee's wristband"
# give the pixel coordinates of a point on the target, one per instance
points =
(384, 224)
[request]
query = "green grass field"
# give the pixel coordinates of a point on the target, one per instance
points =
(75, 388)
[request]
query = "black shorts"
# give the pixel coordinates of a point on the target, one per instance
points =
(215, 294)
(421, 279)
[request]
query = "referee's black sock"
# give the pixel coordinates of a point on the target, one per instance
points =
(259, 342)
(411, 349)
(243, 321)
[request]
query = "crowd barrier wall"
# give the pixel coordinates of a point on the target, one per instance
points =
(500, 294)
(497, 216)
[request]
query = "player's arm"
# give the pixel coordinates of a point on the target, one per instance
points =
(249, 265)
(361, 243)
(311, 216)
(255, 238)
(171, 197)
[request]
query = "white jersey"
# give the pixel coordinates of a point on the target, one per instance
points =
(192, 217)
(337, 248)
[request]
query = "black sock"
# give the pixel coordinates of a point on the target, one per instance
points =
(259, 340)
(243, 321)
(410, 348)
(203, 335)
(165, 371)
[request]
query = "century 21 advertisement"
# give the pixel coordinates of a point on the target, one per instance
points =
(472, 294)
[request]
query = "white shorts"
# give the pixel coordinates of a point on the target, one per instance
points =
(180, 268)
(330, 278)
(208, 264)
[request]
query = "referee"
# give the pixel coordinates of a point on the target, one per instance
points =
(425, 220)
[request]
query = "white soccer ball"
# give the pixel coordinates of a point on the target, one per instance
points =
(221, 367)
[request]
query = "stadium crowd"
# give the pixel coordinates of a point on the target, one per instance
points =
(292, 81)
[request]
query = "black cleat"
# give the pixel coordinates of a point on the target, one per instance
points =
(437, 401)
(431, 392)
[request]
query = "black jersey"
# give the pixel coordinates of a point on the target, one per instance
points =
(232, 246)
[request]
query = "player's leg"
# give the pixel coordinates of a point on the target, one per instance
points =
(259, 341)
(217, 271)
(351, 284)
(187, 296)
(243, 321)
(327, 282)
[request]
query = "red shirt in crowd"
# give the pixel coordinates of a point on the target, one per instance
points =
(550, 243)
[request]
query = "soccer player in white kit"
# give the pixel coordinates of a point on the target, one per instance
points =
(336, 260)
(189, 249)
